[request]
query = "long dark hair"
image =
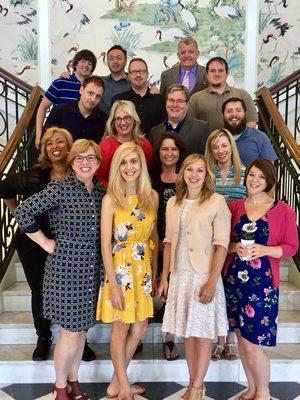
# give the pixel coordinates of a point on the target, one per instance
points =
(179, 143)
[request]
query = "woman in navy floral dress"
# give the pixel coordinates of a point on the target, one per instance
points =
(252, 272)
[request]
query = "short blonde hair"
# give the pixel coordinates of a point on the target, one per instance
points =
(235, 158)
(128, 107)
(43, 160)
(117, 185)
(81, 146)
(208, 186)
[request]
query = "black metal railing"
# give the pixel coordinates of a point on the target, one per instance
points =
(287, 150)
(19, 154)
(14, 95)
(286, 95)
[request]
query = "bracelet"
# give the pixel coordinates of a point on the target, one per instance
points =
(154, 276)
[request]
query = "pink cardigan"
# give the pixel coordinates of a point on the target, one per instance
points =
(283, 232)
(108, 147)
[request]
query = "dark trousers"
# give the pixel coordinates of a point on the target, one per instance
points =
(33, 260)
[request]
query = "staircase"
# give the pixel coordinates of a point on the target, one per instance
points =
(18, 338)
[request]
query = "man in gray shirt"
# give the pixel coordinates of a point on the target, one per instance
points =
(116, 82)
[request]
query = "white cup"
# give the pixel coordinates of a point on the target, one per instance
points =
(245, 242)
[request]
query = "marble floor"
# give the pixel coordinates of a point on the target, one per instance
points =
(154, 391)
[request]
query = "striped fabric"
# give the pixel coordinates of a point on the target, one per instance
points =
(63, 90)
(229, 190)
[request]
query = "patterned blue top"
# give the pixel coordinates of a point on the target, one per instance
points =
(228, 189)
(63, 90)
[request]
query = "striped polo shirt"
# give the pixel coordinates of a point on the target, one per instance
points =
(63, 90)
(229, 190)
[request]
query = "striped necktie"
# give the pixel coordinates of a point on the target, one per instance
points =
(186, 80)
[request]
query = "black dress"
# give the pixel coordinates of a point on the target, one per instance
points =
(72, 274)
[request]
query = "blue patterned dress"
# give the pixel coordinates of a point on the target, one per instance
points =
(251, 298)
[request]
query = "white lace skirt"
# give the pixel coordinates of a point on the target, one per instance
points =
(185, 315)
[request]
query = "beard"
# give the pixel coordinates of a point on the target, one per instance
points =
(237, 129)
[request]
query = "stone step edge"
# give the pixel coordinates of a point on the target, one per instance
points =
(142, 371)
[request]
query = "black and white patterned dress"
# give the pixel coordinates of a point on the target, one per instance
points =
(72, 274)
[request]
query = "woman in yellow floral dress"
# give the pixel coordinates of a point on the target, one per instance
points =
(129, 216)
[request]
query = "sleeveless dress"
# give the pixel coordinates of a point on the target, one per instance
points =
(252, 299)
(184, 315)
(132, 251)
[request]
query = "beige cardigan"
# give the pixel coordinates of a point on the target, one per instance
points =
(207, 225)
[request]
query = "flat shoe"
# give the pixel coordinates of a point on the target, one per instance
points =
(110, 396)
(170, 346)
(231, 352)
(137, 389)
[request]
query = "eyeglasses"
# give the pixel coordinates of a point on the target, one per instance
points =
(179, 101)
(138, 71)
(126, 118)
(90, 158)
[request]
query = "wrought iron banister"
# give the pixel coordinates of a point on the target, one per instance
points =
(14, 94)
(287, 150)
(286, 95)
(18, 154)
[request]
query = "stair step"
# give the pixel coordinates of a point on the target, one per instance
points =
(17, 328)
(148, 366)
(289, 297)
(18, 297)
(20, 275)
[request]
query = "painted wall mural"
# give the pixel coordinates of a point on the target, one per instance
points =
(19, 40)
(151, 29)
(279, 32)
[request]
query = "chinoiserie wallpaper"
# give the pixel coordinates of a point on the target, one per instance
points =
(279, 36)
(151, 29)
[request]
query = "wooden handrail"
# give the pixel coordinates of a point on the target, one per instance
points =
(14, 140)
(280, 125)
(15, 81)
(285, 82)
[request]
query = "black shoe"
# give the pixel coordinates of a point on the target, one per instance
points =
(88, 353)
(41, 351)
(139, 348)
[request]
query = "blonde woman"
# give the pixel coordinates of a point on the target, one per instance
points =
(129, 216)
(223, 159)
(196, 241)
(73, 261)
(123, 125)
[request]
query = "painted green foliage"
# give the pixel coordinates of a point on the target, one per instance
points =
(217, 33)
(28, 47)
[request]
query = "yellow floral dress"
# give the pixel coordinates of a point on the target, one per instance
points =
(132, 251)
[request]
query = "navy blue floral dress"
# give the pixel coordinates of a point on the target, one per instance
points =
(251, 298)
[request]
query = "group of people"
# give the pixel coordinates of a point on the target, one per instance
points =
(179, 190)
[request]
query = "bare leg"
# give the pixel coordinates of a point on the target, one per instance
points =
(67, 351)
(201, 360)
(73, 375)
(250, 393)
(259, 366)
(189, 349)
(133, 336)
(118, 355)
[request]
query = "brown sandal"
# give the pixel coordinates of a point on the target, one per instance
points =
(197, 392)
(231, 352)
(217, 352)
(61, 393)
(76, 393)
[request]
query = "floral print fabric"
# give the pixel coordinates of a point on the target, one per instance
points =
(132, 250)
(252, 300)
